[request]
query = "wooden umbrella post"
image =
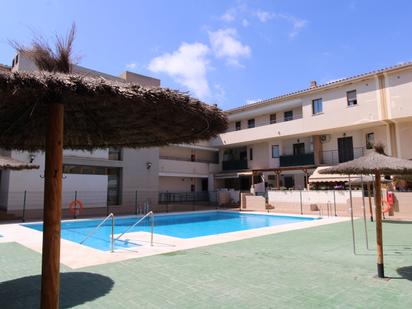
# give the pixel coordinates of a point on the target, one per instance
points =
(378, 219)
(50, 282)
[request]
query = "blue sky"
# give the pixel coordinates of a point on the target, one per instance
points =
(224, 52)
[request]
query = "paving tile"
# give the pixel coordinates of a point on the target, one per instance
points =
(310, 268)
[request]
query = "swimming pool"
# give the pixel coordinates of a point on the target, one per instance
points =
(187, 225)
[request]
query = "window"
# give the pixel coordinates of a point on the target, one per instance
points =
(317, 107)
(250, 154)
(370, 140)
(275, 151)
(288, 115)
(351, 97)
(238, 125)
(298, 149)
(115, 153)
(251, 123)
(113, 187)
(272, 118)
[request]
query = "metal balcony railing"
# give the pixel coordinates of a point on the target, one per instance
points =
(179, 197)
(331, 157)
(175, 158)
(234, 165)
(297, 160)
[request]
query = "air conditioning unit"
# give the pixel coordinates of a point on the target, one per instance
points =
(325, 138)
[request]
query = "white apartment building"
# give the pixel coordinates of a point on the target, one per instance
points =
(280, 140)
(285, 138)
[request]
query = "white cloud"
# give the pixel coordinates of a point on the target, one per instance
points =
(219, 93)
(225, 45)
(228, 16)
(251, 101)
(131, 65)
(264, 16)
(187, 65)
(233, 13)
(297, 23)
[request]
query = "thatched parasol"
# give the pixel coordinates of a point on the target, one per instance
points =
(377, 163)
(7, 163)
(96, 113)
(99, 113)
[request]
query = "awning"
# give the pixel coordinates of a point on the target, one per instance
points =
(7, 163)
(232, 175)
(316, 177)
(183, 175)
(245, 173)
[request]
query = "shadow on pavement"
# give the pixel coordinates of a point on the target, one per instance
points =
(389, 221)
(76, 288)
(405, 272)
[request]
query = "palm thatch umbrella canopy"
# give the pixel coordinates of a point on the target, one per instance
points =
(99, 113)
(7, 163)
(378, 163)
(54, 110)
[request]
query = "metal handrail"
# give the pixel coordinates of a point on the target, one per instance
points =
(111, 215)
(151, 214)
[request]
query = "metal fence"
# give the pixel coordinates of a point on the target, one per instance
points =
(28, 205)
(331, 157)
(337, 203)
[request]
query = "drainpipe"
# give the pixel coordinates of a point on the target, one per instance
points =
(384, 109)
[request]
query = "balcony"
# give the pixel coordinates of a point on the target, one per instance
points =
(297, 160)
(177, 167)
(260, 133)
(176, 158)
(331, 157)
(234, 165)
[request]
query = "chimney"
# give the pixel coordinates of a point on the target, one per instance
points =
(313, 84)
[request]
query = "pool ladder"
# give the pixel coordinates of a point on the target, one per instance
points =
(111, 215)
(151, 214)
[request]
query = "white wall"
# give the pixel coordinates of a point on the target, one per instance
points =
(404, 131)
(183, 167)
(99, 153)
(312, 196)
(31, 180)
(260, 156)
(336, 114)
(399, 94)
(179, 184)
(136, 176)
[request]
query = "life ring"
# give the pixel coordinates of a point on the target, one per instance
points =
(72, 206)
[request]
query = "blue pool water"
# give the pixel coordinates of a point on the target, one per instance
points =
(179, 225)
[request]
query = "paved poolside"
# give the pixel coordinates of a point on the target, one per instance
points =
(75, 255)
(307, 268)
